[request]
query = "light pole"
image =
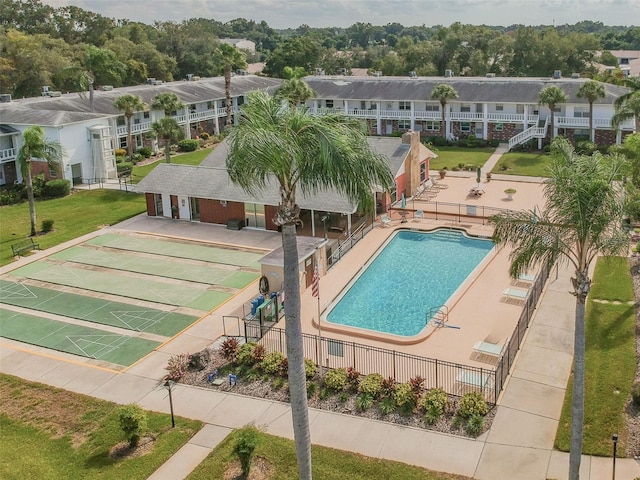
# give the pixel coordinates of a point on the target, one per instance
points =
(169, 385)
(615, 446)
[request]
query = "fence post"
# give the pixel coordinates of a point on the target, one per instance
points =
(437, 384)
(353, 347)
(393, 356)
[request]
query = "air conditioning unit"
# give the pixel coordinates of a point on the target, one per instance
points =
(448, 73)
(319, 71)
(491, 75)
(5, 98)
(557, 74)
(45, 90)
(55, 94)
(106, 88)
(151, 81)
(575, 75)
(413, 74)
(342, 71)
(189, 77)
(377, 73)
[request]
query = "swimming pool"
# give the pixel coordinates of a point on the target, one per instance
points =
(414, 272)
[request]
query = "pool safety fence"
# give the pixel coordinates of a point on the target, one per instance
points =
(458, 212)
(340, 248)
(455, 378)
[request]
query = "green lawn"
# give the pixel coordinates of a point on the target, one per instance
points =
(327, 463)
(523, 163)
(191, 158)
(610, 362)
(75, 215)
(48, 433)
(451, 157)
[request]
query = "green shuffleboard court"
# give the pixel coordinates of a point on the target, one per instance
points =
(96, 310)
(162, 267)
(206, 253)
(123, 285)
(74, 339)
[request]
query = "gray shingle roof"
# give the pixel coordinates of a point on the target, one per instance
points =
(392, 148)
(20, 115)
(470, 89)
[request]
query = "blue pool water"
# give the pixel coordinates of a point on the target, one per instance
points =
(414, 272)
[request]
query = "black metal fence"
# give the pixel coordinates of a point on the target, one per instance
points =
(454, 378)
(458, 212)
(339, 248)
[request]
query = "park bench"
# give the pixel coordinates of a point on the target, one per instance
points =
(24, 246)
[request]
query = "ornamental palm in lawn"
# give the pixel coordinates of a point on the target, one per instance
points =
(591, 90)
(229, 57)
(275, 146)
(36, 146)
(169, 130)
(167, 102)
(551, 96)
(129, 104)
(582, 218)
(443, 93)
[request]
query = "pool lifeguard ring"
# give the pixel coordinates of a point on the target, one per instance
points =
(263, 285)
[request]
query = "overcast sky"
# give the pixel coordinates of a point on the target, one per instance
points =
(342, 13)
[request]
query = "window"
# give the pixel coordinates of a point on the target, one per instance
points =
(363, 105)
(499, 107)
(520, 109)
(465, 107)
(432, 107)
(498, 127)
(433, 126)
(404, 124)
(120, 121)
(53, 171)
(374, 106)
(123, 142)
(136, 121)
(579, 112)
(423, 171)
(405, 105)
(146, 114)
(328, 103)
(465, 127)
(209, 105)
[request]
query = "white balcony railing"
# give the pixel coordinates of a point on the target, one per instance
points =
(7, 155)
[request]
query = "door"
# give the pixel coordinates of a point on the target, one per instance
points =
(195, 208)
(175, 209)
(76, 173)
(308, 272)
(254, 213)
(158, 201)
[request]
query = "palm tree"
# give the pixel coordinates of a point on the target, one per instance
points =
(591, 90)
(582, 218)
(167, 102)
(36, 146)
(169, 130)
(629, 109)
(551, 96)
(443, 93)
(129, 104)
(295, 91)
(229, 57)
(633, 83)
(300, 152)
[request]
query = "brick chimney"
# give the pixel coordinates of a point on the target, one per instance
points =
(411, 163)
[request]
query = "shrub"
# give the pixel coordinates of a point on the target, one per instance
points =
(364, 401)
(229, 349)
(124, 167)
(472, 403)
(284, 367)
(635, 393)
(145, 152)
(353, 378)
(405, 398)
(246, 443)
(47, 226)
(204, 136)
(133, 422)
(586, 147)
(435, 399)
(440, 141)
(271, 362)
(472, 141)
(417, 384)
(494, 142)
(120, 159)
(462, 142)
(259, 353)
(136, 157)
(12, 194)
(312, 388)
(388, 387)
(56, 188)
(387, 406)
(277, 383)
(245, 354)
(310, 368)
(177, 366)
(432, 416)
(371, 385)
(38, 184)
(344, 396)
(474, 425)
(188, 145)
(336, 379)
(120, 152)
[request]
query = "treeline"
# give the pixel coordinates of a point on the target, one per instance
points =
(67, 46)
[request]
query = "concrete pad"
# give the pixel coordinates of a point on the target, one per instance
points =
(626, 468)
(544, 361)
(533, 397)
(185, 344)
(194, 402)
(435, 451)
(156, 400)
(151, 366)
(522, 429)
(276, 420)
(182, 463)
(503, 462)
(236, 411)
(15, 360)
(349, 433)
(125, 389)
(555, 312)
(551, 337)
(210, 436)
(559, 468)
(86, 380)
(544, 379)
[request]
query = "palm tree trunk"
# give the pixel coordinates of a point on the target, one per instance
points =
(444, 122)
(577, 401)
(295, 353)
(551, 134)
(592, 133)
(227, 92)
(91, 107)
(167, 151)
(129, 142)
(31, 199)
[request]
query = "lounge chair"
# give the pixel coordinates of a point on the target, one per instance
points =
(527, 278)
(472, 381)
(386, 221)
(515, 293)
(438, 185)
(418, 215)
(485, 348)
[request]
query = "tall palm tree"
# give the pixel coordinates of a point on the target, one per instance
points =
(169, 130)
(36, 146)
(275, 146)
(229, 57)
(629, 109)
(295, 91)
(129, 104)
(633, 83)
(443, 93)
(167, 102)
(551, 96)
(591, 90)
(582, 218)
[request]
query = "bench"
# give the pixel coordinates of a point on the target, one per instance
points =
(24, 246)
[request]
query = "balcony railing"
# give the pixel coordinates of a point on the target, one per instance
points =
(7, 155)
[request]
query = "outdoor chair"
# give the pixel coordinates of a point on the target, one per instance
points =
(472, 382)
(386, 221)
(418, 215)
(486, 350)
(515, 294)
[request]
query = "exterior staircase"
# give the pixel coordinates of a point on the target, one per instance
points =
(531, 132)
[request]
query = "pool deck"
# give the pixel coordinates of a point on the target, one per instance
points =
(518, 446)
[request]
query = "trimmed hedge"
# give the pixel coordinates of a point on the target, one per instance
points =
(56, 188)
(188, 145)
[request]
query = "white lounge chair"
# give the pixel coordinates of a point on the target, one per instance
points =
(526, 277)
(418, 215)
(515, 293)
(472, 381)
(484, 348)
(386, 221)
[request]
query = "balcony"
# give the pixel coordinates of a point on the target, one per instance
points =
(8, 155)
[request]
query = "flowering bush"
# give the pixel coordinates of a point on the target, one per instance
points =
(177, 366)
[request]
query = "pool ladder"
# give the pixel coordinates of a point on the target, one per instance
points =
(440, 313)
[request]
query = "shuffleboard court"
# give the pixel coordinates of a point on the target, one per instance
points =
(96, 310)
(123, 285)
(207, 253)
(171, 268)
(75, 339)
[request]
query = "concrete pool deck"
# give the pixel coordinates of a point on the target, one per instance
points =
(518, 446)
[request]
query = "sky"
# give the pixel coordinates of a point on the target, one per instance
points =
(282, 14)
